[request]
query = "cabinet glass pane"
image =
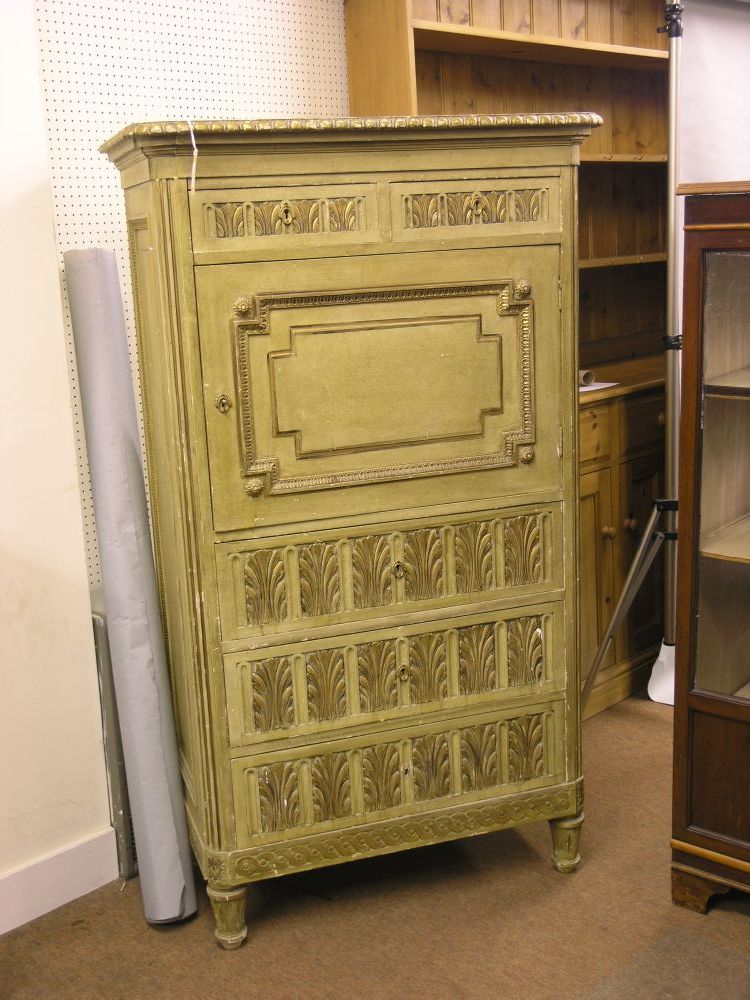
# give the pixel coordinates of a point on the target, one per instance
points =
(722, 661)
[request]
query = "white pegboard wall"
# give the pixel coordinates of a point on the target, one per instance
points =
(108, 63)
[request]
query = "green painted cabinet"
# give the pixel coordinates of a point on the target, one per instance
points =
(357, 351)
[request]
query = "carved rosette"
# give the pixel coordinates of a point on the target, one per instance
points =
(428, 668)
(381, 777)
(474, 564)
(526, 748)
(522, 540)
(265, 587)
(278, 796)
(378, 685)
(423, 560)
(319, 579)
(477, 665)
(431, 767)
(326, 685)
(331, 787)
(525, 651)
(273, 694)
(479, 758)
(372, 577)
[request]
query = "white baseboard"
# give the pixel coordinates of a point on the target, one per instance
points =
(57, 878)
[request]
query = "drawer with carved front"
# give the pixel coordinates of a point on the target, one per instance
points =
(476, 208)
(301, 691)
(269, 222)
(319, 580)
(348, 782)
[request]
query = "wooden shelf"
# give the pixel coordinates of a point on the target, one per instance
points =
(743, 692)
(730, 544)
(735, 383)
(624, 261)
(437, 36)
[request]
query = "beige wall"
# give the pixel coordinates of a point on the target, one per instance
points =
(53, 791)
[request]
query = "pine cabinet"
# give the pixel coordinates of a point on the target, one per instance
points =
(711, 817)
(359, 366)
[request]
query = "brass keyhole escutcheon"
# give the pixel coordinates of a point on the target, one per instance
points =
(403, 673)
(223, 403)
(399, 570)
(286, 215)
(476, 205)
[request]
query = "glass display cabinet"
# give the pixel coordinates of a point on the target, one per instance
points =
(711, 818)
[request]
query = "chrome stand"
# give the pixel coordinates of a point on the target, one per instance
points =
(652, 538)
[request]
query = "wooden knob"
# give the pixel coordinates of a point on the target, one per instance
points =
(609, 532)
(630, 524)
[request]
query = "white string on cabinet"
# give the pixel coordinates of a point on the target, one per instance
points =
(108, 63)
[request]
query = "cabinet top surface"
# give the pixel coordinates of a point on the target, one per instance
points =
(179, 132)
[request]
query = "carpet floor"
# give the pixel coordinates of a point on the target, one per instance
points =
(486, 917)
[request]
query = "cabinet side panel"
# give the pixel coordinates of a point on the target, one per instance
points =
(380, 52)
(169, 519)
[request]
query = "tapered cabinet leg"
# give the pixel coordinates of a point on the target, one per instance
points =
(229, 912)
(694, 892)
(566, 836)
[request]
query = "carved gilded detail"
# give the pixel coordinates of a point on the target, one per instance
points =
(522, 540)
(450, 823)
(180, 132)
(479, 758)
(319, 580)
(273, 694)
(381, 777)
(265, 587)
(371, 571)
(283, 217)
(326, 685)
(278, 796)
(474, 569)
(255, 321)
(525, 651)
(378, 685)
(428, 668)
(526, 748)
(331, 787)
(477, 665)
(423, 564)
(475, 208)
(431, 766)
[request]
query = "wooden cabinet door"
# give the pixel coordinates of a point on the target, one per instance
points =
(641, 482)
(596, 591)
(352, 386)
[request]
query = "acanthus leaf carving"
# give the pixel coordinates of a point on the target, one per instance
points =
(319, 579)
(431, 766)
(278, 796)
(475, 208)
(522, 540)
(265, 587)
(326, 685)
(378, 685)
(477, 663)
(423, 560)
(428, 668)
(474, 568)
(273, 694)
(525, 651)
(331, 787)
(526, 747)
(381, 777)
(371, 571)
(479, 758)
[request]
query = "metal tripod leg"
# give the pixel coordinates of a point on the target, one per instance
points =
(647, 551)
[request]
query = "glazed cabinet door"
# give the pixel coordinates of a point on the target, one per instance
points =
(361, 384)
